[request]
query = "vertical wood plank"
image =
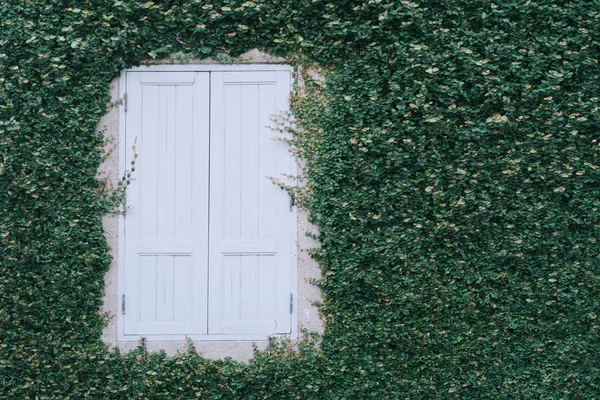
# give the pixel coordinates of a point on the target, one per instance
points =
(182, 294)
(164, 288)
(232, 161)
(249, 288)
(130, 274)
(167, 123)
(249, 162)
(283, 216)
(231, 288)
(266, 287)
(148, 170)
(183, 161)
(266, 161)
(216, 272)
(147, 288)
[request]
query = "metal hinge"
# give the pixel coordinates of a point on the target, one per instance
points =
(125, 101)
(123, 304)
(291, 302)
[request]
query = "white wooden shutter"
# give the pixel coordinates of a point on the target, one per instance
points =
(251, 240)
(166, 240)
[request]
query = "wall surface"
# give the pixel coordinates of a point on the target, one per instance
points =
(307, 294)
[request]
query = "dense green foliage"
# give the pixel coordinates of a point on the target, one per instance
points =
(452, 169)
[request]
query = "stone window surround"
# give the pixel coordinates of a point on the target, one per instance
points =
(307, 269)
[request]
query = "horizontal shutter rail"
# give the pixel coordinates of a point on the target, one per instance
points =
(166, 78)
(165, 246)
(164, 83)
(172, 328)
(247, 246)
(241, 78)
(249, 327)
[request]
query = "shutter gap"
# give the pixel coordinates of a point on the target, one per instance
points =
(175, 177)
(240, 162)
(209, 195)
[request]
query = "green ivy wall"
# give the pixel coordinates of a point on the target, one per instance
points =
(453, 172)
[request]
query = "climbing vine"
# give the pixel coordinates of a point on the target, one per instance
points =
(452, 168)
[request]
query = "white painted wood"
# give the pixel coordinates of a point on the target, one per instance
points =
(147, 288)
(251, 327)
(165, 231)
(165, 162)
(132, 262)
(251, 78)
(184, 162)
(266, 287)
(282, 211)
(123, 151)
(200, 199)
(182, 337)
(231, 161)
(165, 301)
(211, 68)
(165, 246)
(219, 267)
(266, 160)
(230, 284)
(182, 281)
(250, 217)
(249, 246)
(173, 287)
(158, 78)
(249, 288)
(147, 164)
(249, 160)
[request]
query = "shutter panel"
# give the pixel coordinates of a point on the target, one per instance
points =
(250, 232)
(166, 227)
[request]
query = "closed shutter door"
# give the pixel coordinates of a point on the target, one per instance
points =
(251, 241)
(166, 227)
